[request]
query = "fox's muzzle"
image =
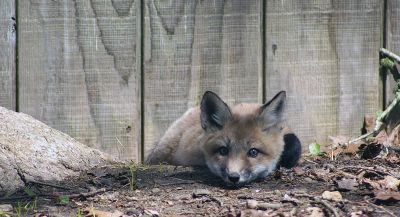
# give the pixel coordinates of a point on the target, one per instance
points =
(234, 177)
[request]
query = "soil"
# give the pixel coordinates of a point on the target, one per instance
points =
(169, 191)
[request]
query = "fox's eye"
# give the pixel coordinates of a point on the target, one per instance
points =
(223, 151)
(253, 152)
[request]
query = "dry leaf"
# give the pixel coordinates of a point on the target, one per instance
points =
(393, 119)
(392, 158)
(393, 139)
(390, 182)
(347, 184)
(322, 174)
(332, 195)
(351, 149)
(369, 124)
(387, 195)
(299, 171)
(381, 138)
(374, 184)
(337, 141)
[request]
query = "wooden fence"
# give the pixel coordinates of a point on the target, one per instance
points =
(116, 73)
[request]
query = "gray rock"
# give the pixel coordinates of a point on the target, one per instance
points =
(32, 151)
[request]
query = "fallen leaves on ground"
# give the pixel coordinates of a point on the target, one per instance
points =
(377, 144)
(316, 187)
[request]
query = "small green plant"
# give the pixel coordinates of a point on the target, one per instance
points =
(315, 149)
(133, 169)
(397, 87)
(132, 176)
(63, 200)
(161, 168)
(18, 210)
(29, 192)
(25, 209)
(8, 194)
(387, 63)
(79, 213)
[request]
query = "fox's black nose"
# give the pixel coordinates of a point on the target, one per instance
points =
(234, 177)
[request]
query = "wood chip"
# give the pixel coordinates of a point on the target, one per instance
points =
(332, 195)
(201, 192)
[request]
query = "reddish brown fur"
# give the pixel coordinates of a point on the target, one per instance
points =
(244, 133)
(186, 143)
(238, 144)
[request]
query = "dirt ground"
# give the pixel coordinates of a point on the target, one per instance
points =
(352, 187)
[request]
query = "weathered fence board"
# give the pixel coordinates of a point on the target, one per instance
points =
(80, 64)
(392, 39)
(193, 46)
(7, 54)
(77, 70)
(325, 54)
(392, 36)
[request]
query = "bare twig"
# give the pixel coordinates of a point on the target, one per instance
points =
(49, 184)
(381, 207)
(327, 205)
(371, 169)
(347, 174)
(319, 200)
(17, 198)
(310, 161)
(88, 194)
(363, 136)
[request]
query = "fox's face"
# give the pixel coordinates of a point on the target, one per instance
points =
(244, 143)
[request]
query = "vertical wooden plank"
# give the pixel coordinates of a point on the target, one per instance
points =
(393, 26)
(78, 70)
(325, 54)
(7, 54)
(193, 46)
(392, 36)
(392, 40)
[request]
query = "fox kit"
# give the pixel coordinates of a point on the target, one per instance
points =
(238, 144)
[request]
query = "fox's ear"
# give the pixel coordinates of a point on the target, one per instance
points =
(215, 113)
(271, 113)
